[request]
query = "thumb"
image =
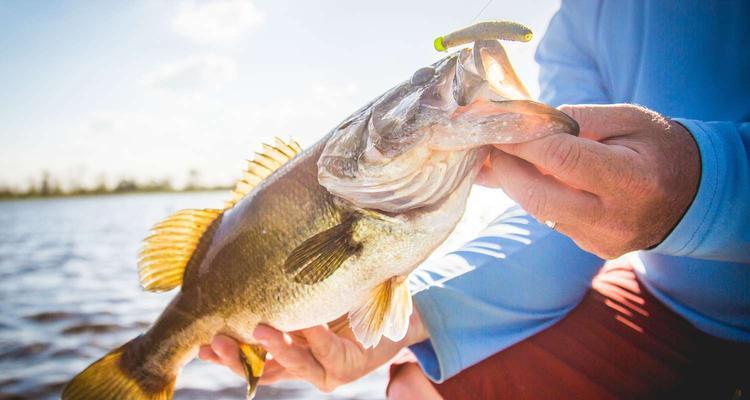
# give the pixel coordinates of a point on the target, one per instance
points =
(602, 121)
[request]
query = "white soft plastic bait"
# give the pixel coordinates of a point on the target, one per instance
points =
(487, 30)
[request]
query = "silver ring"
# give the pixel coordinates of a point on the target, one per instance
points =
(551, 224)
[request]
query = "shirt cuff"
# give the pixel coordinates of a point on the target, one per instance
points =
(437, 368)
(696, 222)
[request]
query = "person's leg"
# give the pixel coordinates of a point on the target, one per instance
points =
(620, 342)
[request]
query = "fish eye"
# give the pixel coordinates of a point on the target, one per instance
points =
(423, 75)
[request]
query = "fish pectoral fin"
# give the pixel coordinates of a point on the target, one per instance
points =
(320, 256)
(253, 358)
(385, 313)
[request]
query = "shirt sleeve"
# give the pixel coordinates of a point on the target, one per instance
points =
(523, 277)
(717, 224)
(568, 72)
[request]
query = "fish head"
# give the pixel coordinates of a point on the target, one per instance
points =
(416, 143)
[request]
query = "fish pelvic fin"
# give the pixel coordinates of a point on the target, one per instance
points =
(172, 244)
(110, 379)
(321, 255)
(385, 313)
(253, 360)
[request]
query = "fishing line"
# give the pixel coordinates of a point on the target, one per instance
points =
(481, 11)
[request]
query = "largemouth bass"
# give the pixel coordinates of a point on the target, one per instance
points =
(311, 236)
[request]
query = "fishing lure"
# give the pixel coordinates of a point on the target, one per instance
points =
(487, 30)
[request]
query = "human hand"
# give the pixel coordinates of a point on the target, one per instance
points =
(622, 185)
(317, 355)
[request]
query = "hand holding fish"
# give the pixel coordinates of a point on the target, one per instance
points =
(622, 185)
(316, 355)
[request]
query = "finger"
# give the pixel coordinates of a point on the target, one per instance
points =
(487, 176)
(581, 163)
(205, 353)
(228, 352)
(543, 196)
(323, 343)
(274, 372)
(279, 376)
(602, 121)
(296, 359)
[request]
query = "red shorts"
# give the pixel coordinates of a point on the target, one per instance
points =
(619, 343)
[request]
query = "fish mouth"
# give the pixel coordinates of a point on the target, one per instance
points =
(501, 122)
(493, 106)
(416, 143)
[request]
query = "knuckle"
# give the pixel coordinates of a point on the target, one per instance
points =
(562, 156)
(535, 200)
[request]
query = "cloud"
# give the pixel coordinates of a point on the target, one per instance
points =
(216, 21)
(192, 74)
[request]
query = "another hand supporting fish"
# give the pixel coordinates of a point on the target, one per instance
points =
(310, 236)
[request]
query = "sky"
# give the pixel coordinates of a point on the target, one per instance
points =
(153, 89)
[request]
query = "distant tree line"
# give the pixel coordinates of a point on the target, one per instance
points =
(48, 186)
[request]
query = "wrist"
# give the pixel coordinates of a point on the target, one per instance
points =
(417, 332)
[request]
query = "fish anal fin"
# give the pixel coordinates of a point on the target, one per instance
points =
(385, 313)
(271, 158)
(253, 358)
(170, 247)
(320, 256)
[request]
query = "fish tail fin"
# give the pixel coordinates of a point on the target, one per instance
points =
(117, 376)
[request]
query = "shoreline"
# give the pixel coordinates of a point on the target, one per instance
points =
(107, 194)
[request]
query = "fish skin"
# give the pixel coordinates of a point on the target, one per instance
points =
(241, 282)
(239, 276)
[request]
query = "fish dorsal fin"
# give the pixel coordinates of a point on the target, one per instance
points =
(385, 313)
(320, 256)
(162, 260)
(271, 158)
(173, 242)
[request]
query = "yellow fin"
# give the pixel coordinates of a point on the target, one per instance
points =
(107, 380)
(166, 253)
(385, 313)
(253, 359)
(264, 164)
(174, 241)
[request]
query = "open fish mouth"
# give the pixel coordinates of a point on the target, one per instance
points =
(416, 143)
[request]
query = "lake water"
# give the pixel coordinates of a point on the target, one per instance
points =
(69, 293)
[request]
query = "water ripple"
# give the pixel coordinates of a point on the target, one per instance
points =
(69, 294)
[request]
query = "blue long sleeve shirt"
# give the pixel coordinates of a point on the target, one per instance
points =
(689, 60)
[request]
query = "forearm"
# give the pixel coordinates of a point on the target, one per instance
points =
(388, 349)
(522, 283)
